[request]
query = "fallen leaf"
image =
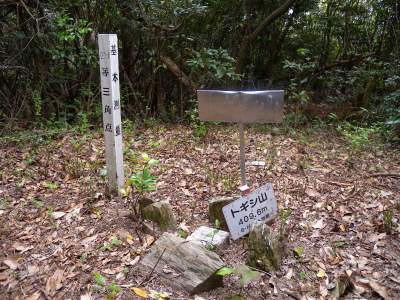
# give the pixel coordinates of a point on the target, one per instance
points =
(3, 276)
(319, 224)
(321, 265)
(335, 261)
(21, 248)
(273, 281)
(379, 289)
(186, 192)
(32, 270)
(108, 271)
(376, 237)
(12, 263)
(312, 193)
(54, 282)
(324, 292)
(321, 273)
(328, 250)
(87, 240)
(149, 239)
(184, 227)
(289, 274)
(135, 261)
(34, 296)
(395, 279)
(86, 297)
(342, 227)
(139, 292)
(58, 214)
(168, 270)
(156, 295)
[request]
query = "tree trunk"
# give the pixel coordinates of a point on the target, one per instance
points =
(178, 73)
(274, 60)
(364, 94)
(247, 40)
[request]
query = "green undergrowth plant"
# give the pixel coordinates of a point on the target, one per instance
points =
(247, 274)
(37, 203)
(360, 137)
(102, 281)
(142, 180)
(200, 128)
(299, 252)
(230, 181)
(211, 175)
(303, 275)
(210, 246)
(388, 221)
(284, 218)
(113, 242)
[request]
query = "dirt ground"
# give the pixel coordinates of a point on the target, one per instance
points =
(58, 225)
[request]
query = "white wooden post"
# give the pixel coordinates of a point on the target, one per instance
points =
(111, 103)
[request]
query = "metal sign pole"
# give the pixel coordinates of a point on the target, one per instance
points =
(242, 156)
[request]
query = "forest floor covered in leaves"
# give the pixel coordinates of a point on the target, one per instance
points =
(59, 226)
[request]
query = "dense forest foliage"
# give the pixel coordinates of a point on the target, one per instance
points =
(335, 59)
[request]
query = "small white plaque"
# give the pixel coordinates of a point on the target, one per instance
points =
(259, 205)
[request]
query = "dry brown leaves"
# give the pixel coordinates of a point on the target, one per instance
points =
(58, 228)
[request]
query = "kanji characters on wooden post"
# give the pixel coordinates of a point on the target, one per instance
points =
(111, 107)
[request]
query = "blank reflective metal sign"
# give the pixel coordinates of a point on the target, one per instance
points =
(245, 107)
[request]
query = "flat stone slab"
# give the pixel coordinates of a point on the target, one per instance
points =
(184, 265)
(220, 239)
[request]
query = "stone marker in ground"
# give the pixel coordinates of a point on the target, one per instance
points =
(161, 213)
(144, 202)
(264, 249)
(215, 208)
(184, 265)
(220, 239)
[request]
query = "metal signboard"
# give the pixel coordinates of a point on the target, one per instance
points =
(259, 205)
(245, 107)
(241, 107)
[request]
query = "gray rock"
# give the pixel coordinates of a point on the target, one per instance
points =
(220, 239)
(184, 265)
(264, 250)
(215, 208)
(161, 213)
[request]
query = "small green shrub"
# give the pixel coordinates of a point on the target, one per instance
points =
(360, 137)
(242, 270)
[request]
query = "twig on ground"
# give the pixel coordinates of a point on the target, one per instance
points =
(261, 271)
(147, 278)
(383, 174)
